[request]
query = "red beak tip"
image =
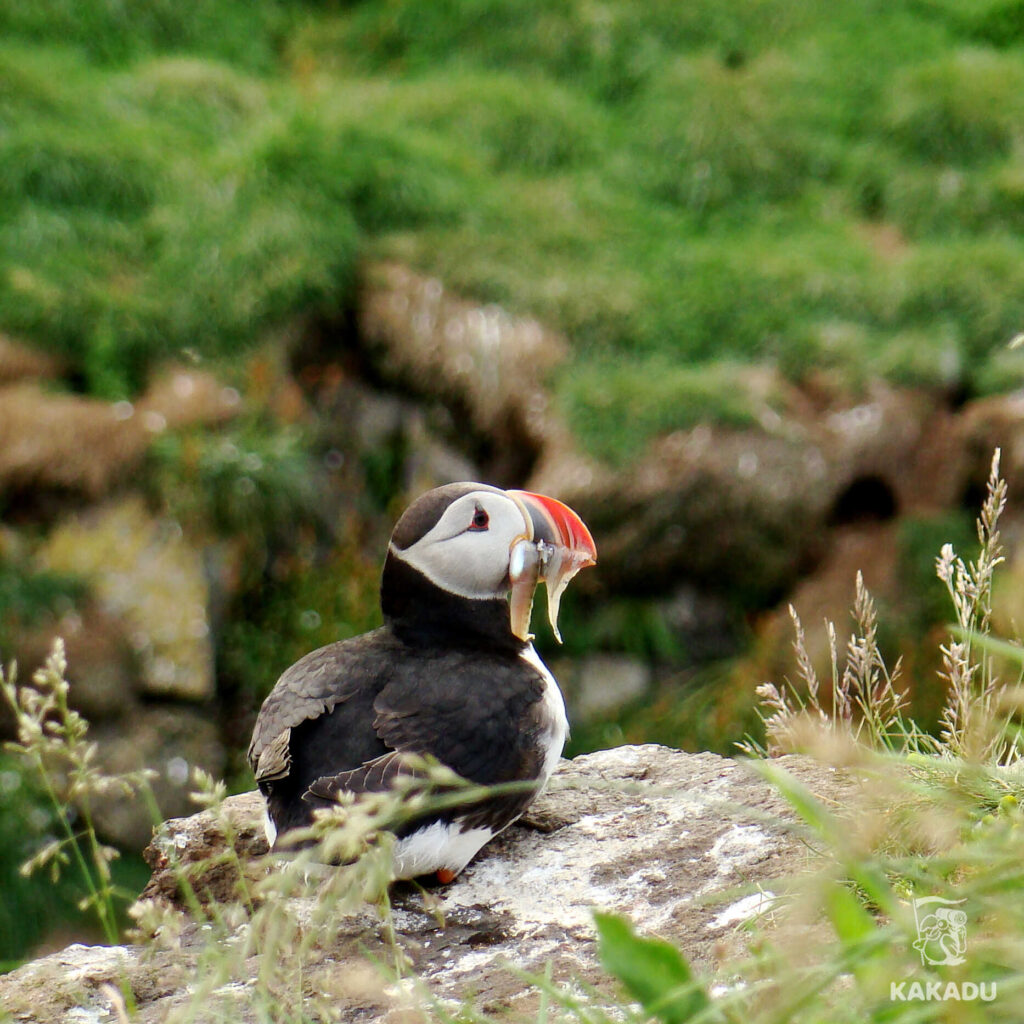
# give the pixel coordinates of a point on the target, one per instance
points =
(573, 531)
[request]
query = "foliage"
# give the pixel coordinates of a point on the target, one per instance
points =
(652, 970)
(314, 600)
(255, 480)
(140, 217)
(51, 738)
(681, 190)
(27, 821)
(33, 908)
(864, 702)
(27, 596)
(240, 31)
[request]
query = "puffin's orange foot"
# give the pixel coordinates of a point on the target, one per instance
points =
(444, 876)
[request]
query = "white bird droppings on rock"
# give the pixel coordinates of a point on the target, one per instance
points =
(744, 909)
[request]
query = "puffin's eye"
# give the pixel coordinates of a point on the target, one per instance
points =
(480, 519)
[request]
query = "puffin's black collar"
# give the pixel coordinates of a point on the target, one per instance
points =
(420, 612)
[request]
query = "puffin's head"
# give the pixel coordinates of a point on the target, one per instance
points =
(480, 543)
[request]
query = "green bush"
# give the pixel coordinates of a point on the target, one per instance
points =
(963, 109)
(245, 32)
(132, 232)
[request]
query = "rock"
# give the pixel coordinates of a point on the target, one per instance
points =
(171, 741)
(76, 977)
(598, 683)
(747, 512)
(828, 593)
(180, 398)
(382, 422)
(102, 671)
(703, 625)
(489, 367)
(145, 572)
(673, 840)
(192, 843)
(18, 362)
(46, 433)
(996, 421)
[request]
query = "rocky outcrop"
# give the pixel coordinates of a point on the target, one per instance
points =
(18, 361)
(749, 512)
(146, 573)
(489, 367)
(46, 433)
(140, 656)
(687, 845)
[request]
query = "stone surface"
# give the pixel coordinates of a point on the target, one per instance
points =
(145, 572)
(487, 366)
(18, 361)
(749, 511)
(44, 434)
(675, 841)
(102, 670)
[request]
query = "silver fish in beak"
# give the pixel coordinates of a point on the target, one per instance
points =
(557, 546)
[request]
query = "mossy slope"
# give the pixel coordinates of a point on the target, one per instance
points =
(679, 189)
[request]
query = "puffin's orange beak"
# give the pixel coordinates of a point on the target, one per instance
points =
(559, 547)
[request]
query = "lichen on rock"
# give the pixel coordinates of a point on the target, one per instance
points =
(144, 570)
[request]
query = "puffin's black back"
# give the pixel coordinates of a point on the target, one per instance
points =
(475, 711)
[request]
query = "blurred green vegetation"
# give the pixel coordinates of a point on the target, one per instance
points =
(30, 911)
(254, 480)
(679, 188)
(684, 190)
(29, 596)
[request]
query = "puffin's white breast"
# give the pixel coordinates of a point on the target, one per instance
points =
(555, 724)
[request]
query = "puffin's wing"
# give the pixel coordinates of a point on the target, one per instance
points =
(481, 717)
(480, 721)
(370, 777)
(312, 687)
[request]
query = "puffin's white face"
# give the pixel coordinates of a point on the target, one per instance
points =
(467, 551)
(484, 543)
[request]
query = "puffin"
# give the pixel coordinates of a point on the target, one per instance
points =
(451, 674)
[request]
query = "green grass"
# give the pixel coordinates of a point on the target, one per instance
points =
(679, 189)
(139, 216)
(245, 32)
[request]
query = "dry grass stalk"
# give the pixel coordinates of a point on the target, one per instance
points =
(867, 705)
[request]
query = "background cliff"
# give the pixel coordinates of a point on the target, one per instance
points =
(736, 281)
